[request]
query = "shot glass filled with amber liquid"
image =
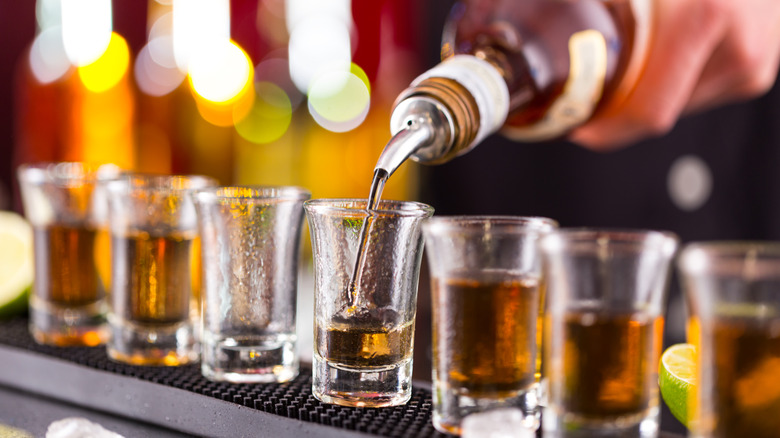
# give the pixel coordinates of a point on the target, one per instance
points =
(486, 294)
(733, 292)
(603, 330)
(66, 204)
(155, 269)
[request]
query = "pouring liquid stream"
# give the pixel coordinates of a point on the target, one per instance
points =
(377, 185)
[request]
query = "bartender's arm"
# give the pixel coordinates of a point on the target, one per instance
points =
(704, 53)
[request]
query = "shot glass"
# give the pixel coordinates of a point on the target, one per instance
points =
(364, 306)
(155, 269)
(66, 204)
(606, 291)
(250, 241)
(733, 292)
(486, 288)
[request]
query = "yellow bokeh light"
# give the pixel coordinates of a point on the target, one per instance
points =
(269, 117)
(360, 74)
(226, 113)
(221, 71)
(109, 69)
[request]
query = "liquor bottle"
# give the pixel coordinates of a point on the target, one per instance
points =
(534, 69)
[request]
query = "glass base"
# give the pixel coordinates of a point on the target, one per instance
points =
(362, 387)
(249, 359)
(73, 326)
(154, 345)
(567, 425)
(451, 407)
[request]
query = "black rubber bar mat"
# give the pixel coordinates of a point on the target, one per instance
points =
(180, 398)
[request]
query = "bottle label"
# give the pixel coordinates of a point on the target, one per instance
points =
(581, 93)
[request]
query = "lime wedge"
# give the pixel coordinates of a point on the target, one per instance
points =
(677, 381)
(16, 263)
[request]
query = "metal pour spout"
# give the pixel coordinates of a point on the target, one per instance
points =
(422, 129)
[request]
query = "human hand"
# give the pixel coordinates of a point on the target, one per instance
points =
(703, 53)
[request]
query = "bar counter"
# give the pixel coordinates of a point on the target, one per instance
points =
(41, 384)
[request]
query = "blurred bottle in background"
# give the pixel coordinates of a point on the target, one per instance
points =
(271, 92)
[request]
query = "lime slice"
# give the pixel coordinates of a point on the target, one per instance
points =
(677, 380)
(16, 263)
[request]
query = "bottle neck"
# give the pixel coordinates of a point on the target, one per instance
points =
(448, 107)
(446, 112)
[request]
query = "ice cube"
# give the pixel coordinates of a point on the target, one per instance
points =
(496, 423)
(78, 428)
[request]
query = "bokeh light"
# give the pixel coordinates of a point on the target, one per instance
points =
(86, 29)
(317, 46)
(269, 117)
(220, 71)
(275, 69)
(225, 114)
(361, 74)
(197, 24)
(339, 101)
(48, 13)
(109, 69)
(48, 60)
(155, 73)
(298, 12)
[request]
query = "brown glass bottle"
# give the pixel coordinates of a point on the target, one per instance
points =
(534, 68)
(539, 45)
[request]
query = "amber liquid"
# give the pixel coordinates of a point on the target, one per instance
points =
(70, 286)
(364, 346)
(153, 281)
(610, 364)
(747, 382)
(66, 265)
(529, 41)
(484, 335)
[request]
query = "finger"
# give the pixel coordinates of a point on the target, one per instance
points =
(685, 34)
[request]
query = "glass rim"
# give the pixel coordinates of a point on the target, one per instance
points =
(351, 206)
(255, 193)
(159, 182)
(730, 256)
(561, 238)
(479, 224)
(68, 172)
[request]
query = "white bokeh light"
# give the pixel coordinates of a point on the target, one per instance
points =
(48, 13)
(318, 45)
(298, 11)
(48, 60)
(153, 77)
(86, 29)
(220, 70)
(197, 23)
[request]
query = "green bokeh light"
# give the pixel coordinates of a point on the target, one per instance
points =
(269, 117)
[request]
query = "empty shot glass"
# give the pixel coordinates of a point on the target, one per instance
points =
(66, 204)
(486, 289)
(250, 241)
(733, 292)
(155, 269)
(606, 291)
(364, 311)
